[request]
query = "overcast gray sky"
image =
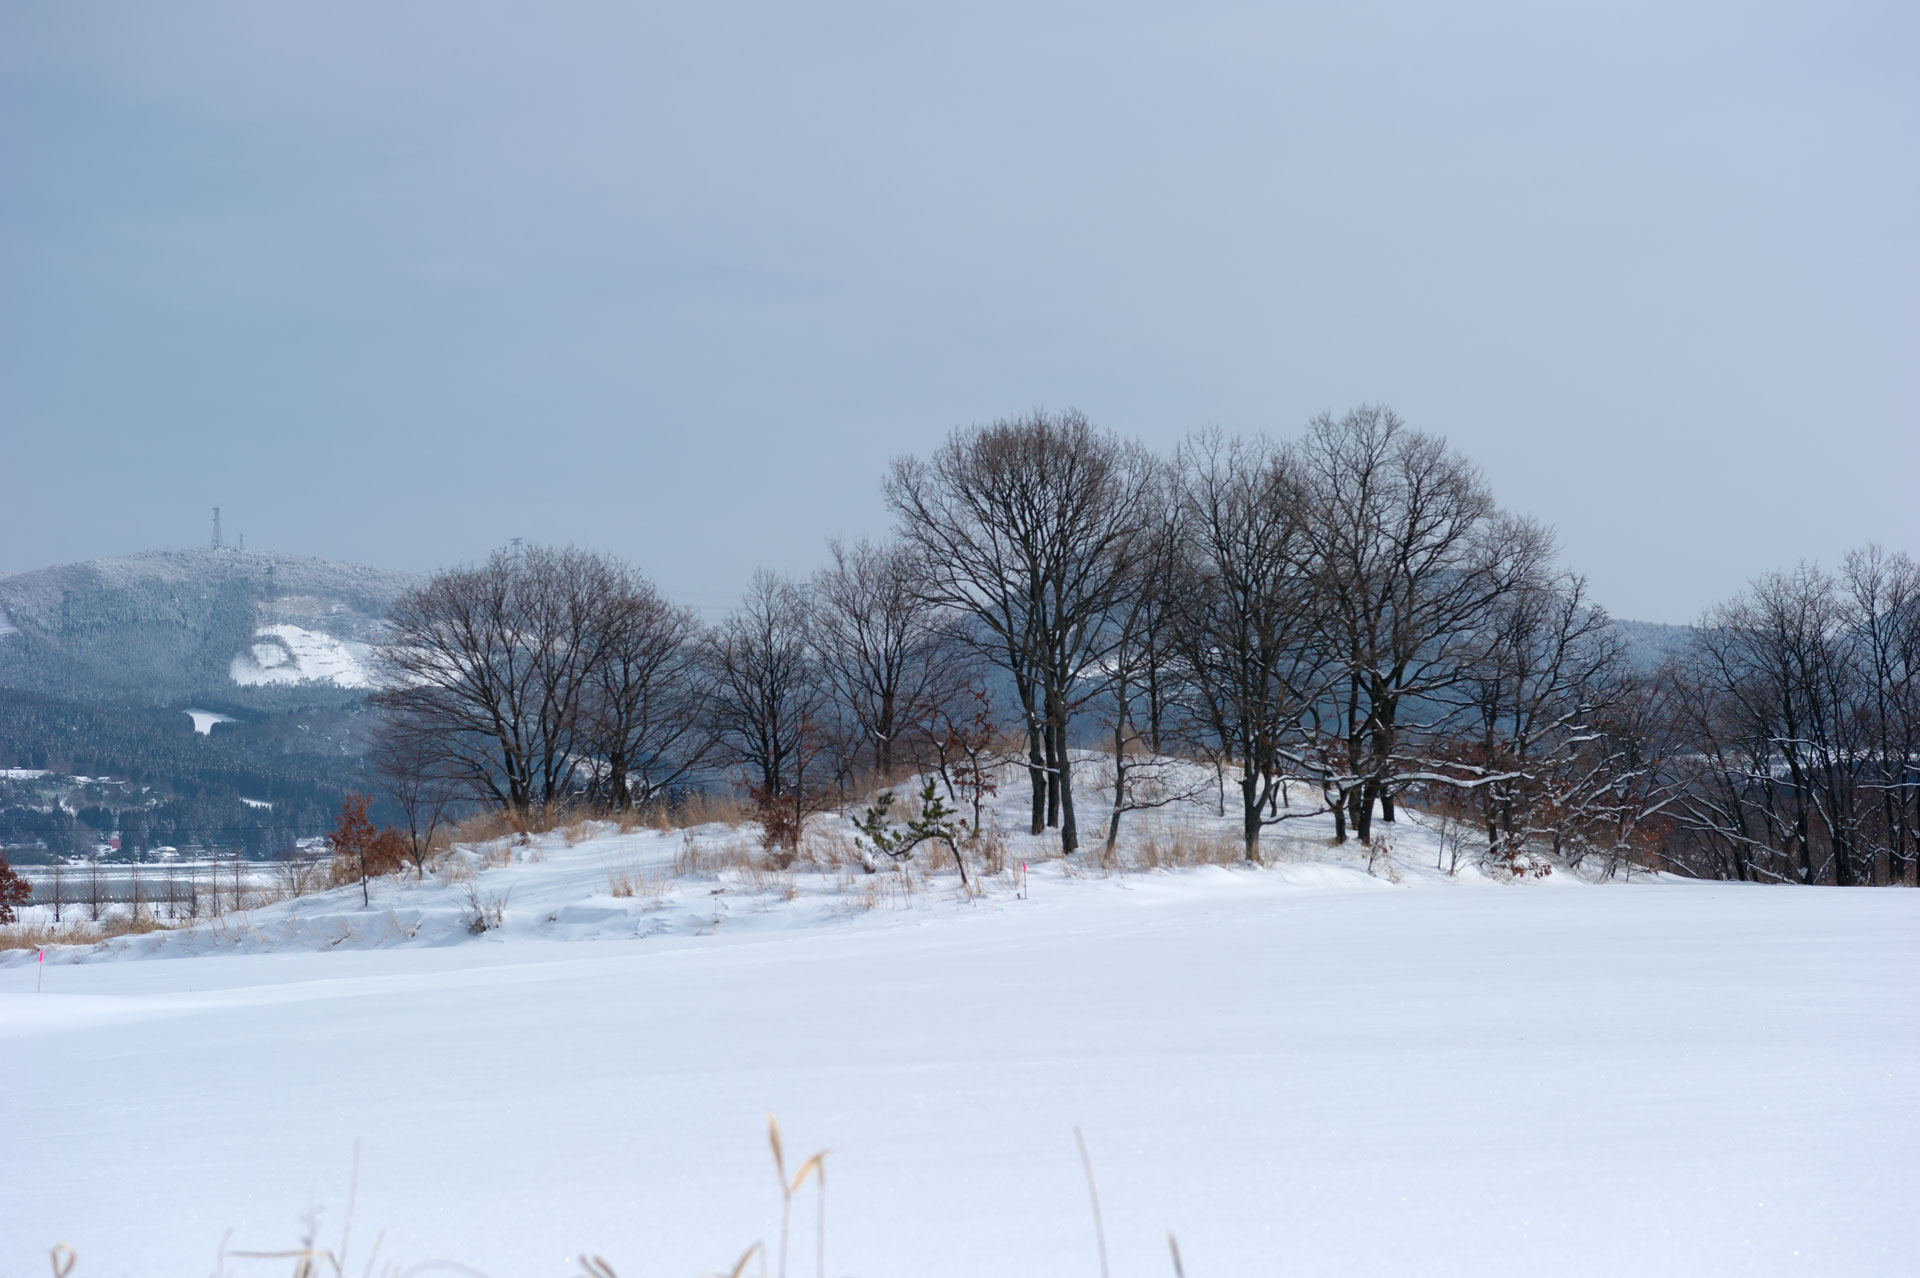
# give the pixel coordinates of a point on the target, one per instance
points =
(395, 283)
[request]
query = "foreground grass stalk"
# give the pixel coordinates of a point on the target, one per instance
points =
(1099, 1230)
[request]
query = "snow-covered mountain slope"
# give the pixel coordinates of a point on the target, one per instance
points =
(288, 654)
(171, 624)
(124, 666)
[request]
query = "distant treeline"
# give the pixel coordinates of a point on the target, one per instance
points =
(171, 785)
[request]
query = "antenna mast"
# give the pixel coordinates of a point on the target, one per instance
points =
(216, 528)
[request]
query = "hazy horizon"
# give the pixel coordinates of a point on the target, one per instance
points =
(397, 286)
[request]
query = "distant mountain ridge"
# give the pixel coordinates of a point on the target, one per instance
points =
(1651, 643)
(239, 625)
(224, 691)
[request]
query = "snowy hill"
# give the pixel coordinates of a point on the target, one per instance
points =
(597, 881)
(1304, 1067)
(167, 625)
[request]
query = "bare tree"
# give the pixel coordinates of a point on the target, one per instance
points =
(1027, 528)
(1883, 604)
(1139, 670)
(1790, 701)
(496, 661)
(1407, 554)
(1545, 670)
(645, 719)
(566, 598)
(420, 778)
(769, 702)
(890, 663)
(1612, 785)
(1248, 620)
(96, 893)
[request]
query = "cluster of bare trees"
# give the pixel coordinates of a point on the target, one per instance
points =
(1342, 623)
(546, 677)
(1354, 620)
(535, 678)
(1799, 710)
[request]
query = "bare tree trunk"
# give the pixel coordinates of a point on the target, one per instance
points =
(1037, 775)
(1063, 788)
(1250, 814)
(1054, 761)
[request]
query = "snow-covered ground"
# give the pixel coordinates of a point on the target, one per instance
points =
(1303, 1068)
(203, 720)
(295, 654)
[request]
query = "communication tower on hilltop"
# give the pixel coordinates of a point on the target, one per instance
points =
(216, 528)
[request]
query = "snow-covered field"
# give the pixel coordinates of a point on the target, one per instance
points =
(1302, 1068)
(295, 654)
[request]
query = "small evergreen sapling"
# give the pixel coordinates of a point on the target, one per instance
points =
(937, 823)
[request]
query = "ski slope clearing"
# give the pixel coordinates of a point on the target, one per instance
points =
(285, 654)
(204, 720)
(1298, 1069)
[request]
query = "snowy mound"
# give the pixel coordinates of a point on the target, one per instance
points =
(595, 881)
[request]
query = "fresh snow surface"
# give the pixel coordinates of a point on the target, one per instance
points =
(1301, 1068)
(203, 720)
(294, 654)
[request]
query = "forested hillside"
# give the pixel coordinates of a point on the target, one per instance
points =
(100, 664)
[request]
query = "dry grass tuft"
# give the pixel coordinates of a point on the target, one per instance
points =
(642, 818)
(31, 936)
(131, 925)
(635, 883)
(989, 849)
(828, 850)
(485, 827)
(886, 891)
(702, 858)
(484, 911)
(706, 809)
(1183, 849)
(579, 821)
